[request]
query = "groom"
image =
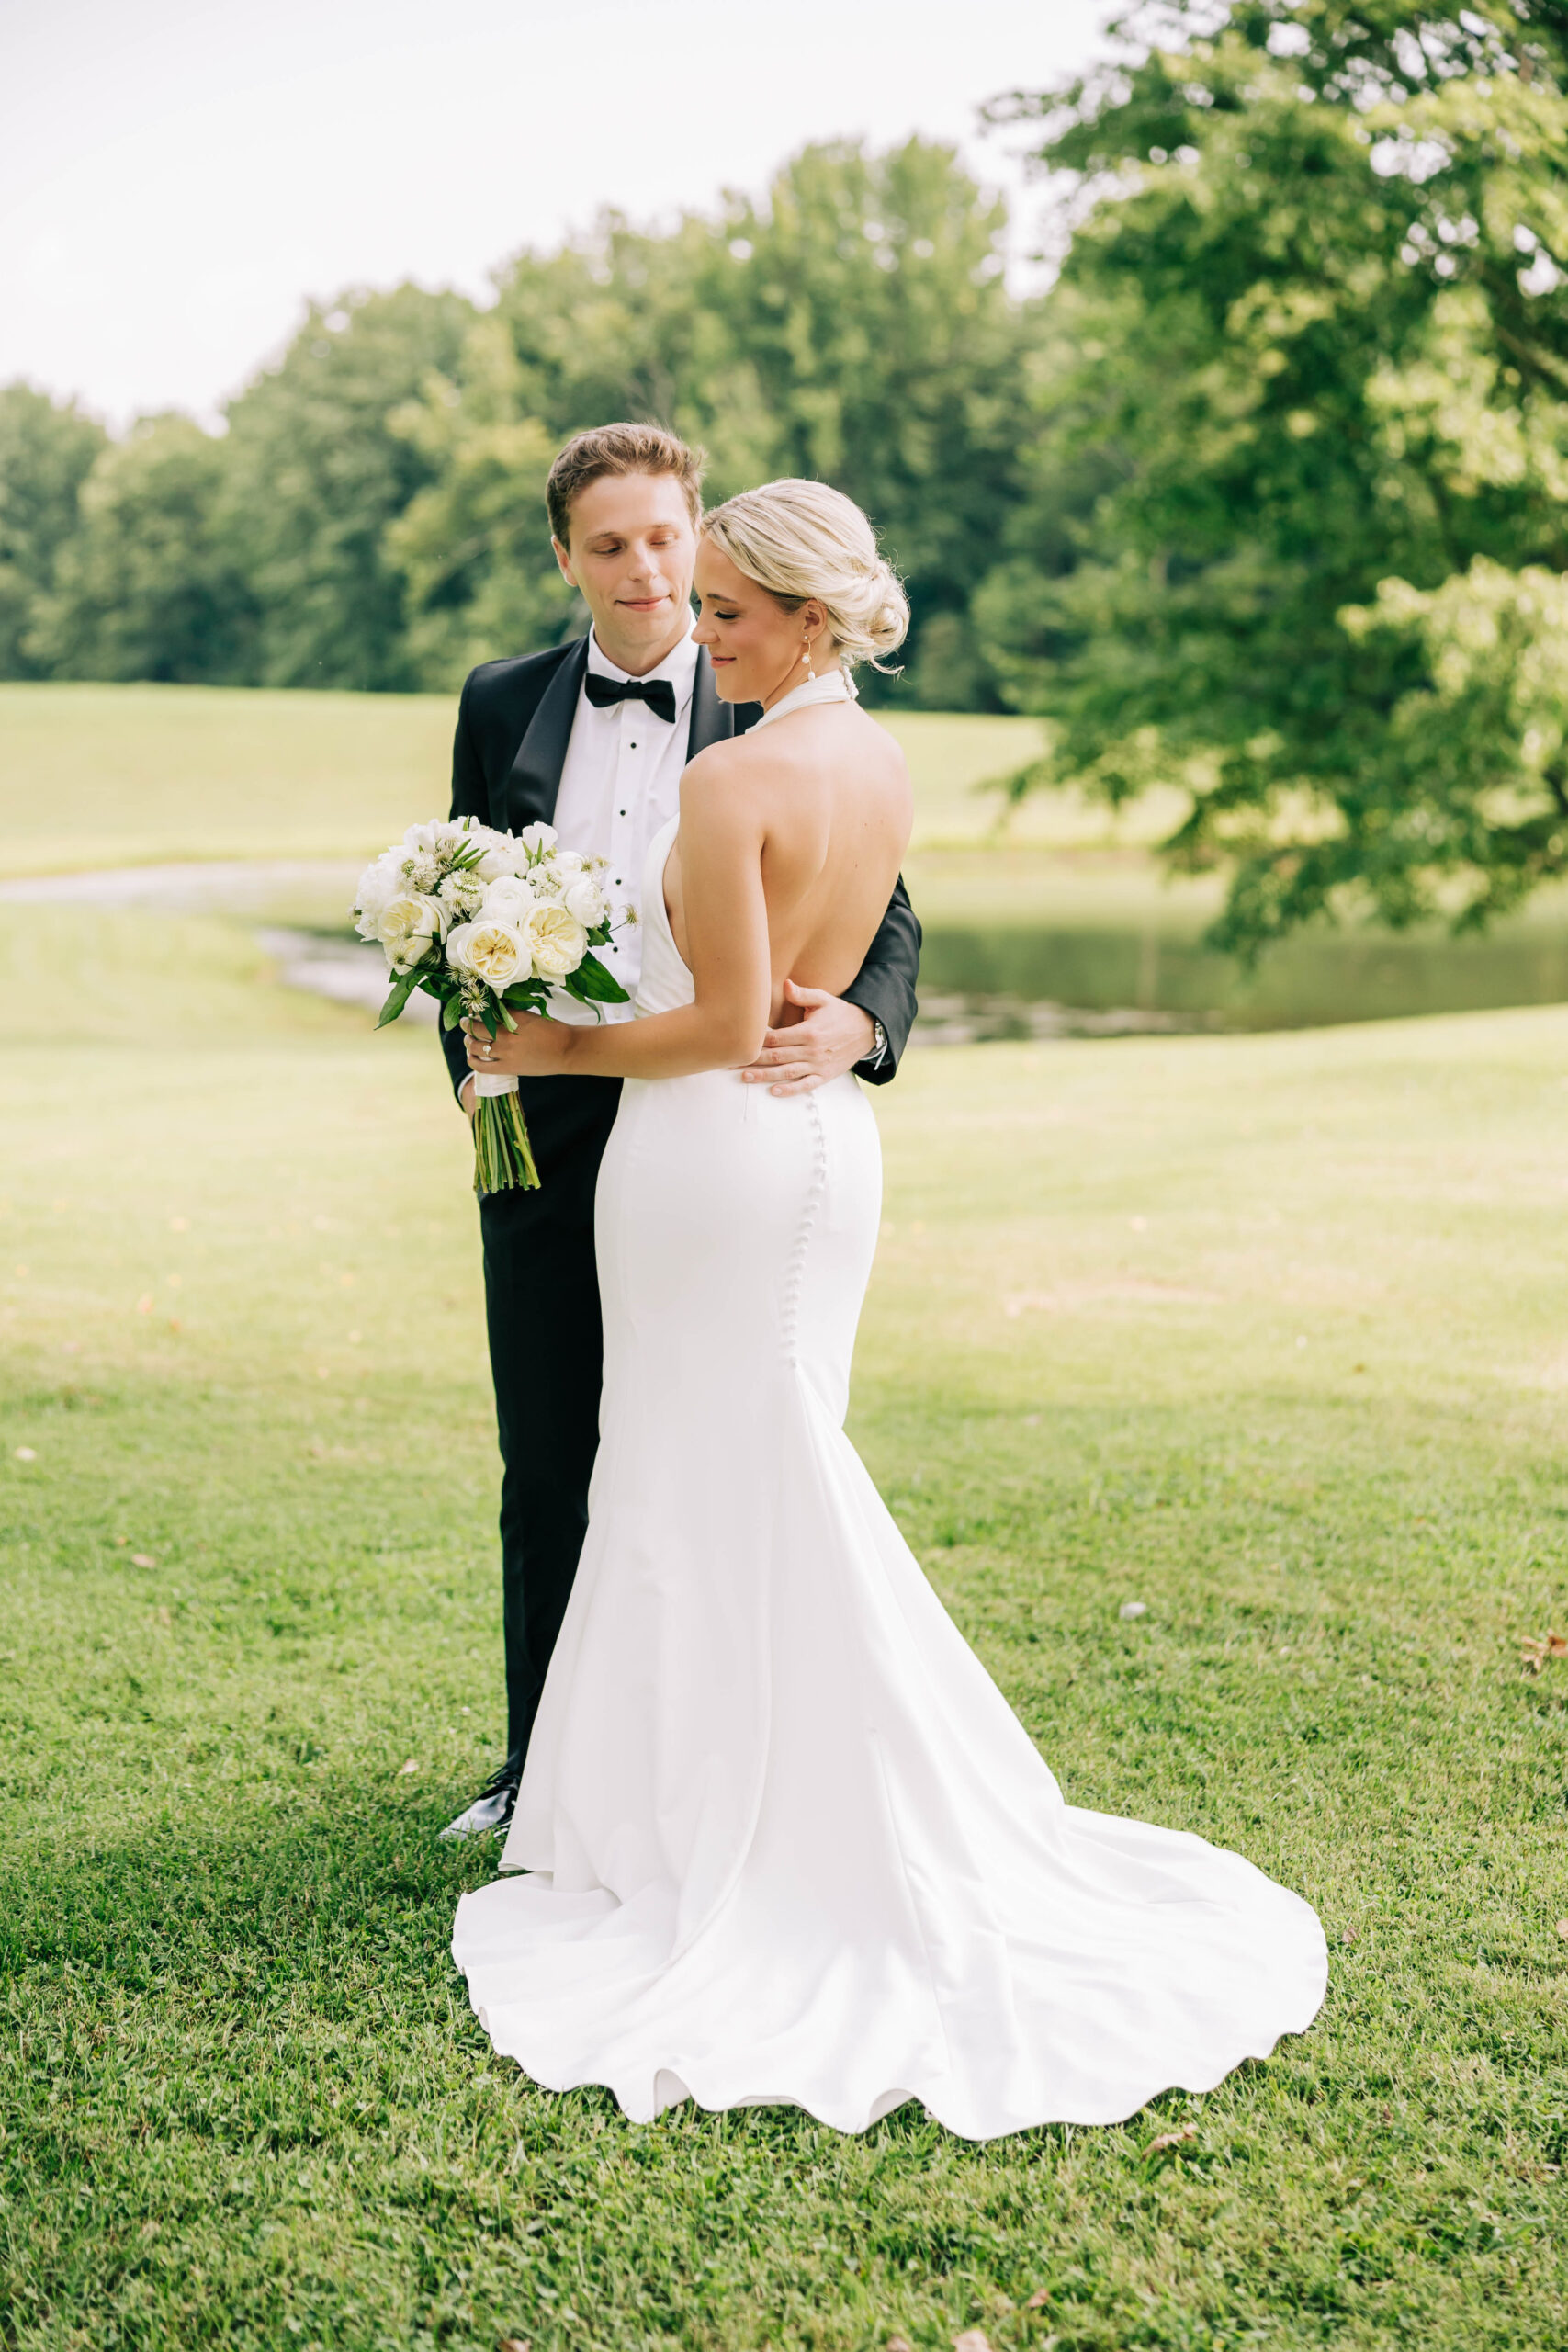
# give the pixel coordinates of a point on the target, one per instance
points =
(591, 738)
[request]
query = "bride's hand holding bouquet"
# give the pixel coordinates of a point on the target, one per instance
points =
(489, 924)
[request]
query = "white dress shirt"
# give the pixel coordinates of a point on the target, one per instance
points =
(622, 782)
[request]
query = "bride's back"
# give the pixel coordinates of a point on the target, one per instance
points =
(831, 791)
(790, 578)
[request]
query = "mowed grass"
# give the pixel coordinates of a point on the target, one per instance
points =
(1270, 1334)
(152, 774)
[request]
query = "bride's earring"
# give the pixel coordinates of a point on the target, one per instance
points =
(805, 657)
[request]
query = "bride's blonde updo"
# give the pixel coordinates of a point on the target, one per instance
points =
(800, 539)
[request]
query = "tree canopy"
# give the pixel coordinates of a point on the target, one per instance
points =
(1295, 532)
(47, 451)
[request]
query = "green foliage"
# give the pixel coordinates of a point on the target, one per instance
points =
(316, 471)
(853, 326)
(373, 517)
(47, 448)
(472, 545)
(147, 587)
(1312, 353)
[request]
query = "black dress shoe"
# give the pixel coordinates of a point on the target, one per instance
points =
(491, 1810)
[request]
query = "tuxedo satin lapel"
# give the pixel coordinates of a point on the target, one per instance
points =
(711, 721)
(533, 781)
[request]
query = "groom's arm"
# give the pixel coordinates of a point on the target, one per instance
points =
(835, 1034)
(884, 985)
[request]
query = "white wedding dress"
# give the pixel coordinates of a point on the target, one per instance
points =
(785, 1840)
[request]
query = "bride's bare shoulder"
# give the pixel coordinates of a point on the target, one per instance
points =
(717, 788)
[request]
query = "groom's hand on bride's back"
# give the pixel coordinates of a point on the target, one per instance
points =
(830, 1037)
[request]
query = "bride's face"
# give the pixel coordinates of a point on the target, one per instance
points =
(754, 645)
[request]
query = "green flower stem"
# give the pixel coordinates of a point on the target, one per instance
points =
(503, 1157)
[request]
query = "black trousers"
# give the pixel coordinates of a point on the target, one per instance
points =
(547, 1356)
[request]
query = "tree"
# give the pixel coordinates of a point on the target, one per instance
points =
(867, 294)
(1296, 528)
(853, 326)
(316, 471)
(146, 588)
(46, 449)
(472, 546)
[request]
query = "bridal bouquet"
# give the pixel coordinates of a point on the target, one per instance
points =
(489, 924)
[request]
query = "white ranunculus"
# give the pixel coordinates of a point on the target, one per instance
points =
(585, 900)
(495, 952)
(425, 841)
(557, 941)
(566, 863)
(408, 926)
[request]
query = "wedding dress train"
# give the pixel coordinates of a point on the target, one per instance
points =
(785, 1842)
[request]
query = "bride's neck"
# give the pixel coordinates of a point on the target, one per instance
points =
(796, 680)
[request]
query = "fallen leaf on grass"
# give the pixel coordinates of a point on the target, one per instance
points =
(1563, 1930)
(1038, 2300)
(899, 2343)
(1168, 2141)
(514, 2343)
(1539, 1647)
(143, 1560)
(26, 1453)
(410, 1766)
(971, 2340)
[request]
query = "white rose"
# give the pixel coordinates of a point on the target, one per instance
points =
(566, 863)
(407, 926)
(508, 899)
(537, 837)
(381, 882)
(494, 952)
(501, 856)
(557, 941)
(585, 901)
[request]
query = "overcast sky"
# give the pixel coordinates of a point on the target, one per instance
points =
(177, 175)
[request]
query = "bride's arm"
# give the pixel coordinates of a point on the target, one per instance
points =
(727, 939)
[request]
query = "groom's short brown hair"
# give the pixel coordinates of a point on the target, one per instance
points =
(620, 449)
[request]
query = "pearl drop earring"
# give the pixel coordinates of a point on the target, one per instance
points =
(805, 657)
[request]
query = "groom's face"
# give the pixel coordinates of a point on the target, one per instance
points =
(631, 552)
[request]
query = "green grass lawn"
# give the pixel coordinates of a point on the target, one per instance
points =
(146, 773)
(1270, 1334)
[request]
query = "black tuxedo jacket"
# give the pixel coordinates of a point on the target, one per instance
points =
(514, 725)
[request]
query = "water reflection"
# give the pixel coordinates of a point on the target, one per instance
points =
(1092, 981)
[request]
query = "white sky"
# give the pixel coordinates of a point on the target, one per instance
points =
(177, 175)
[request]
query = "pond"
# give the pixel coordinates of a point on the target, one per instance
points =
(1008, 980)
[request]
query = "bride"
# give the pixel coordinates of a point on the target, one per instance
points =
(780, 1838)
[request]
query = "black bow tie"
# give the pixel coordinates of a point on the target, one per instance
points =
(656, 692)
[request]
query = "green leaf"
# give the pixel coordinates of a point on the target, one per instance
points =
(592, 984)
(402, 988)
